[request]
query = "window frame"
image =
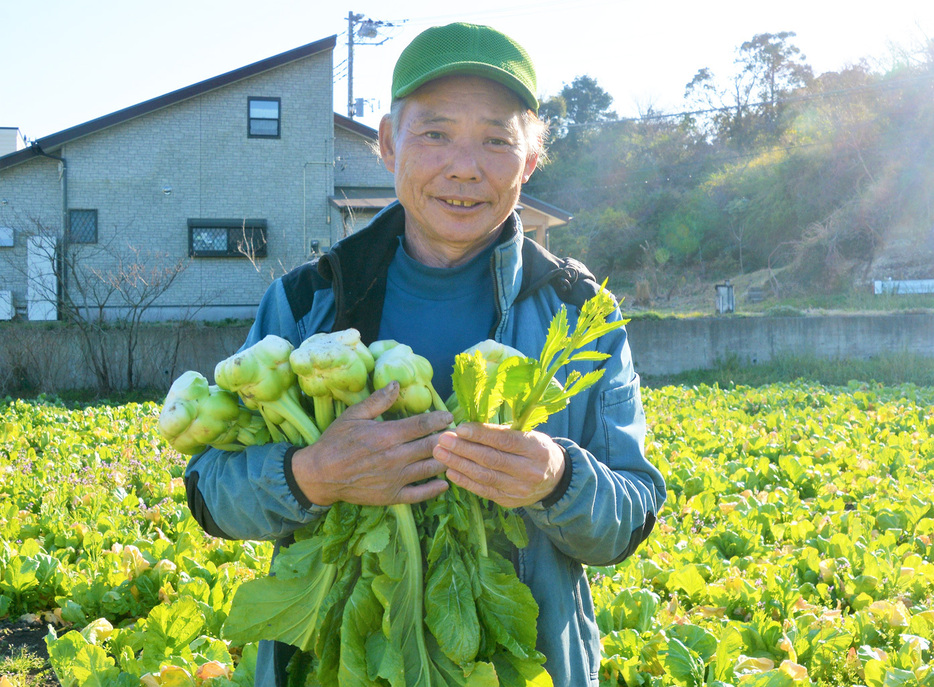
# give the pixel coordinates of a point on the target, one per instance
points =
(254, 230)
(250, 118)
(94, 213)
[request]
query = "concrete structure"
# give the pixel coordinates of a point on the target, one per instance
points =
(52, 356)
(900, 287)
(670, 346)
(235, 179)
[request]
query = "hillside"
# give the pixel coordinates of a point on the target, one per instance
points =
(817, 185)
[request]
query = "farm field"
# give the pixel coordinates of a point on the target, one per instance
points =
(796, 547)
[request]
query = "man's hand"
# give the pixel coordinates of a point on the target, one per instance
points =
(504, 465)
(362, 460)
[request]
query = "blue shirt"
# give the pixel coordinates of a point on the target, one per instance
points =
(438, 311)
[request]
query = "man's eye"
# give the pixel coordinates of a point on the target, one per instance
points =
(433, 135)
(499, 142)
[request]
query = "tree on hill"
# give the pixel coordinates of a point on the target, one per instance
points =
(750, 106)
(782, 168)
(575, 109)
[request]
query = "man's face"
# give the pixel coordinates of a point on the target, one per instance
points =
(460, 158)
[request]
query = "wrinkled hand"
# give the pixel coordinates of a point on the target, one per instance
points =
(504, 465)
(362, 460)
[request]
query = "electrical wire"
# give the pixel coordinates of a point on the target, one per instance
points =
(533, 8)
(880, 86)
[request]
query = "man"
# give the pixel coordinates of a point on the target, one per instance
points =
(445, 268)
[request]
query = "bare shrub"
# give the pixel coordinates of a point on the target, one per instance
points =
(105, 291)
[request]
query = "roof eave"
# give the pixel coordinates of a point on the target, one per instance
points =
(546, 208)
(58, 139)
(355, 127)
(19, 157)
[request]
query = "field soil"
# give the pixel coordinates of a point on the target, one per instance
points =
(21, 636)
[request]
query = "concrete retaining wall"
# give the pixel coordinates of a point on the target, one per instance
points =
(670, 346)
(51, 356)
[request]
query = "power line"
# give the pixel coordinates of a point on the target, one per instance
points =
(712, 161)
(519, 10)
(879, 86)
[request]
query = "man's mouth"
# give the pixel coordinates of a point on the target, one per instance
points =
(462, 203)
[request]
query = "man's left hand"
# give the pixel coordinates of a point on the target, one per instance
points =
(504, 465)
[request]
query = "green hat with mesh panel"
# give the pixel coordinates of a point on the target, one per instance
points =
(465, 49)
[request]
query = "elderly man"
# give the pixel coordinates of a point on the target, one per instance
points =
(444, 268)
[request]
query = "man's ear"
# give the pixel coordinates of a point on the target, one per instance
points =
(387, 148)
(531, 162)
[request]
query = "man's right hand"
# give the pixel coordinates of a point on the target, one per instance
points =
(362, 460)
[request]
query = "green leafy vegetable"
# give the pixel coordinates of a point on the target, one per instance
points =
(400, 363)
(333, 367)
(264, 379)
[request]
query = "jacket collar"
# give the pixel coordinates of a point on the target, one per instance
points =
(357, 266)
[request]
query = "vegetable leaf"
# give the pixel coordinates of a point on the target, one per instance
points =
(287, 609)
(451, 614)
(506, 606)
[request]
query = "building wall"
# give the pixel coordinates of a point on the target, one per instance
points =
(357, 161)
(200, 149)
(30, 203)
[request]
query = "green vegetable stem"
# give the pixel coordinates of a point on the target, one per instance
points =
(263, 377)
(333, 367)
(395, 361)
(196, 415)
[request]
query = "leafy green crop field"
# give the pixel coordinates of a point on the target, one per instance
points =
(796, 548)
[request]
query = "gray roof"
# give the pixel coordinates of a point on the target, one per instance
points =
(56, 140)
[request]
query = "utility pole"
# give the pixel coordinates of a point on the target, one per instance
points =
(369, 28)
(351, 19)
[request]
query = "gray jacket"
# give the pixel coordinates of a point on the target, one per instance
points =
(601, 512)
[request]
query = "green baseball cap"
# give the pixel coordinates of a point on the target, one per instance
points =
(465, 49)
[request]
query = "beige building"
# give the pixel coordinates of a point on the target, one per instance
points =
(223, 185)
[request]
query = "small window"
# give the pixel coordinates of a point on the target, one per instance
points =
(263, 117)
(82, 226)
(227, 238)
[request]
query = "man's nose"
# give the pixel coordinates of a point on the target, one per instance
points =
(464, 164)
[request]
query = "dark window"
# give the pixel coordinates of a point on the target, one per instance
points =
(82, 226)
(263, 117)
(227, 238)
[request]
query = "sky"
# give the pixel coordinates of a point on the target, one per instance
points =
(65, 62)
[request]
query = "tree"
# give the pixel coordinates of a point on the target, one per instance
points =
(776, 68)
(103, 290)
(554, 112)
(587, 102)
(737, 224)
(750, 106)
(576, 109)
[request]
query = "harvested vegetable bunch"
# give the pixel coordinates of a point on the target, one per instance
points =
(196, 415)
(368, 594)
(408, 596)
(263, 377)
(334, 370)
